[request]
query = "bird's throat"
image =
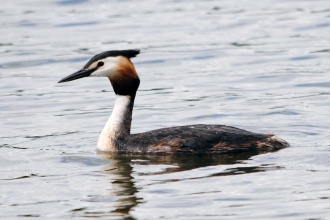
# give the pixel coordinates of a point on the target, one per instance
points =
(118, 125)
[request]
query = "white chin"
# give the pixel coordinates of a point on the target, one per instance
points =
(99, 73)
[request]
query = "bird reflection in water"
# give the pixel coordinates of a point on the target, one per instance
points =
(122, 168)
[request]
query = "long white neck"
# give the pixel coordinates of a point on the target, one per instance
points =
(118, 125)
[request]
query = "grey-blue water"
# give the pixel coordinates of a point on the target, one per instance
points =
(258, 65)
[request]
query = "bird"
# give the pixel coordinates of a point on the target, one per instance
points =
(116, 135)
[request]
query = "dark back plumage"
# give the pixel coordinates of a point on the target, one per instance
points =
(112, 53)
(199, 139)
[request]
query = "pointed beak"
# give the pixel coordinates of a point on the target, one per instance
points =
(77, 75)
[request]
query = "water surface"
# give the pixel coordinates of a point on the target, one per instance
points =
(261, 66)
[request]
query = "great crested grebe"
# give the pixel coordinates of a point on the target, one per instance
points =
(116, 137)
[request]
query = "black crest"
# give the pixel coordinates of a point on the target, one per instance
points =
(112, 53)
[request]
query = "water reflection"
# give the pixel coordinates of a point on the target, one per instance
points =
(120, 176)
(122, 169)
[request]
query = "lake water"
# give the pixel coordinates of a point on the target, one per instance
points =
(258, 65)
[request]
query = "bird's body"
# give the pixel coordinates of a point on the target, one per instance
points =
(194, 139)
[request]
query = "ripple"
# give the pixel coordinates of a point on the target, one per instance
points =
(71, 2)
(322, 84)
(78, 24)
(260, 67)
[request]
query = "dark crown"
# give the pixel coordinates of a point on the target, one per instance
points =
(112, 53)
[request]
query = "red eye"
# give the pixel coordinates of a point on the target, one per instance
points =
(100, 63)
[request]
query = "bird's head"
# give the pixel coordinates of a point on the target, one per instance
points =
(114, 64)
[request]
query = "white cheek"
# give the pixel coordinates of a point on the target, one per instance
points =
(108, 69)
(105, 71)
